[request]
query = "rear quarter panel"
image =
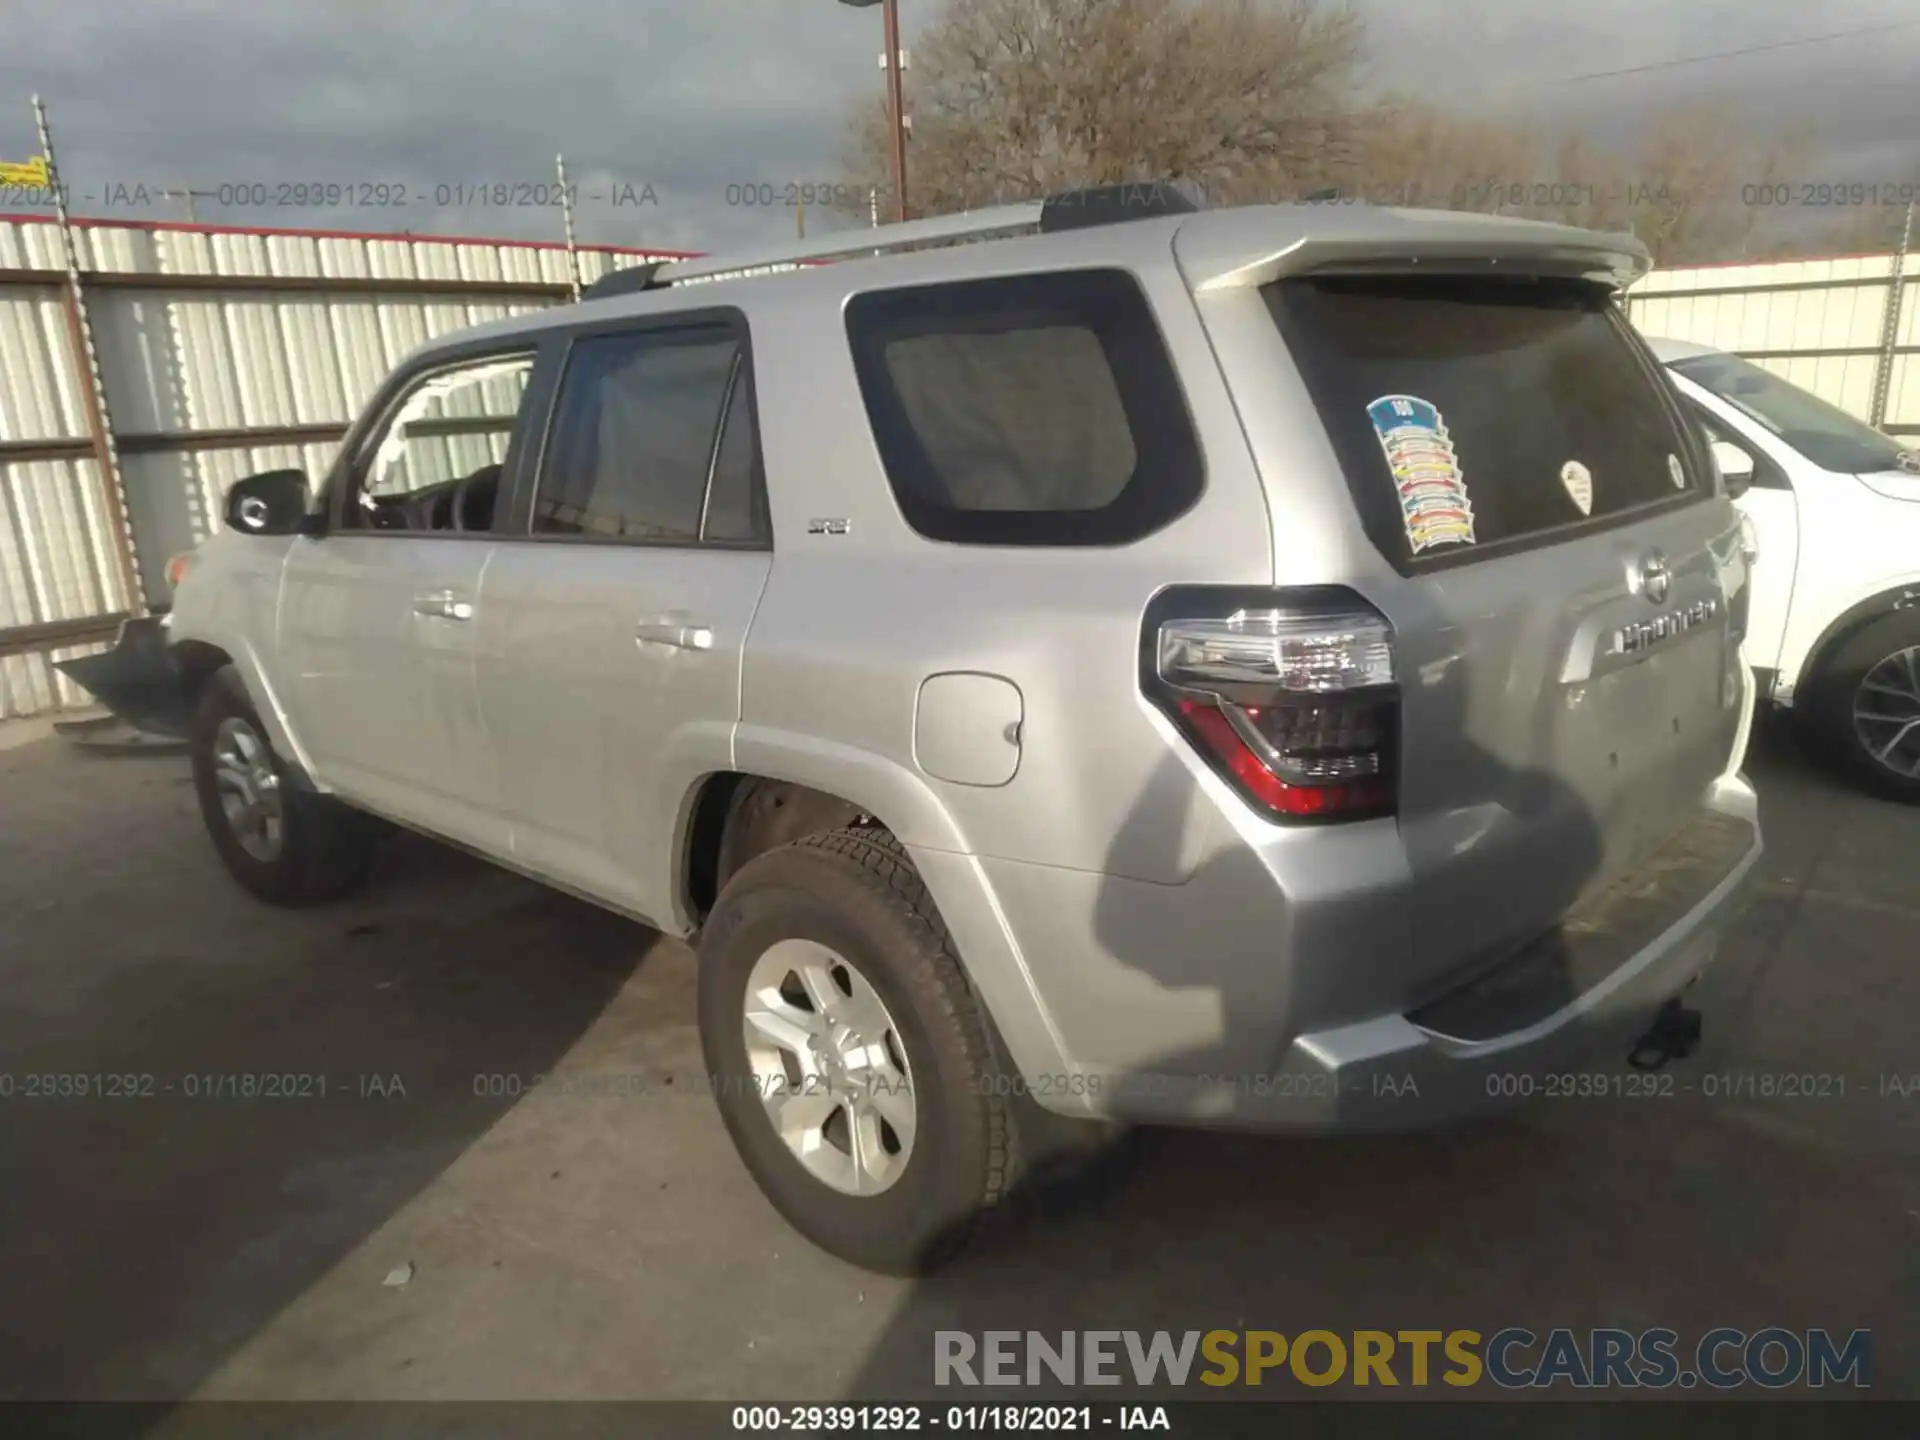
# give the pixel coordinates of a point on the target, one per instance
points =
(853, 623)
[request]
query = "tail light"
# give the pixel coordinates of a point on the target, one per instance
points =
(1291, 697)
(178, 566)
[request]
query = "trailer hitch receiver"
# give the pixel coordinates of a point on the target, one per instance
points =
(1674, 1034)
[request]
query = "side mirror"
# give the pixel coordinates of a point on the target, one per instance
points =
(1735, 466)
(274, 502)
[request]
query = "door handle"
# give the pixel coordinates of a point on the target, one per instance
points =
(443, 605)
(677, 633)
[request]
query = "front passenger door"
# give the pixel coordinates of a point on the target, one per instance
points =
(613, 622)
(377, 617)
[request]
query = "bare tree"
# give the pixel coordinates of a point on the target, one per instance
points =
(1871, 220)
(1411, 152)
(1686, 185)
(1259, 100)
(1684, 188)
(1017, 98)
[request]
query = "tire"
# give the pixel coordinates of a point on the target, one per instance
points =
(1068, 1166)
(1874, 671)
(319, 849)
(855, 895)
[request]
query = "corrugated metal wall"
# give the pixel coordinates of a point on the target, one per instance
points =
(56, 557)
(56, 563)
(290, 360)
(1817, 323)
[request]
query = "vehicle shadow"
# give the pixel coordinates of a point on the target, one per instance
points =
(1197, 1254)
(1629, 1212)
(212, 1104)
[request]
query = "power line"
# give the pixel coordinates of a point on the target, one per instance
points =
(1717, 55)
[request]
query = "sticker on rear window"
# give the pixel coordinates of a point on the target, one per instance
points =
(1579, 482)
(1673, 469)
(1433, 493)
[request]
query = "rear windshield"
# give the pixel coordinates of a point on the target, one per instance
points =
(1471, 415)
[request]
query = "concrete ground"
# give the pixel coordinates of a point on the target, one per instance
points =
(573, 1244)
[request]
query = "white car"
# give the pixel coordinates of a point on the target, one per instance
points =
(1834, 506)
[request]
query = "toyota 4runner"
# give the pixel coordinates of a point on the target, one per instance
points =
(1272, 667)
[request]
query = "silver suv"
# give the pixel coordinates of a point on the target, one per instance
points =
(1273, 667)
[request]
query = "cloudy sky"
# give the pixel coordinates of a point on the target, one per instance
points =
(705, 100)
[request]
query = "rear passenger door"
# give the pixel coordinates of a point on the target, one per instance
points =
(616, 610)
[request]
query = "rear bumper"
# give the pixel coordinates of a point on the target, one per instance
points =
(1579, 996)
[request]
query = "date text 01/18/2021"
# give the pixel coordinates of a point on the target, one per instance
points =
(958, 1419)
(245, 195)
(1286, 1086)
(1709, 1085)
(41, 1085)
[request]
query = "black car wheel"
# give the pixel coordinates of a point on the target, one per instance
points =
(1867, 705)
(286, 844)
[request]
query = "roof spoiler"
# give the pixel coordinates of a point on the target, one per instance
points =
(1243, 254)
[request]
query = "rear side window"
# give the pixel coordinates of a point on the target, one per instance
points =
(651, 429)
(1472, 415)
(1026, 410)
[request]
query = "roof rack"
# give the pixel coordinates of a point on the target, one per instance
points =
(967, 225)
(1070, 210)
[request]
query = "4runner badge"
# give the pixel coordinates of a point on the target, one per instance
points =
(1645, 634)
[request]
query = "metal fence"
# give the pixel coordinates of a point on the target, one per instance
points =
(222, 352)
(1847, 329)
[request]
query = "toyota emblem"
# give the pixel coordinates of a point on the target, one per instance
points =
(1656, 577)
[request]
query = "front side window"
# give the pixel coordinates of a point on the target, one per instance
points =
(652, 440)
(1825, 434)
(437, 463)
(1026, 410)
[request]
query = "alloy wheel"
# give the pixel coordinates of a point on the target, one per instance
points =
(1886, 712)
(249, 789)
(828, 1064)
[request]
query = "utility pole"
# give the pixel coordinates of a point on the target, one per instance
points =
(1890, 326)
(566, 219)
(896, 106)
(93, 391)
